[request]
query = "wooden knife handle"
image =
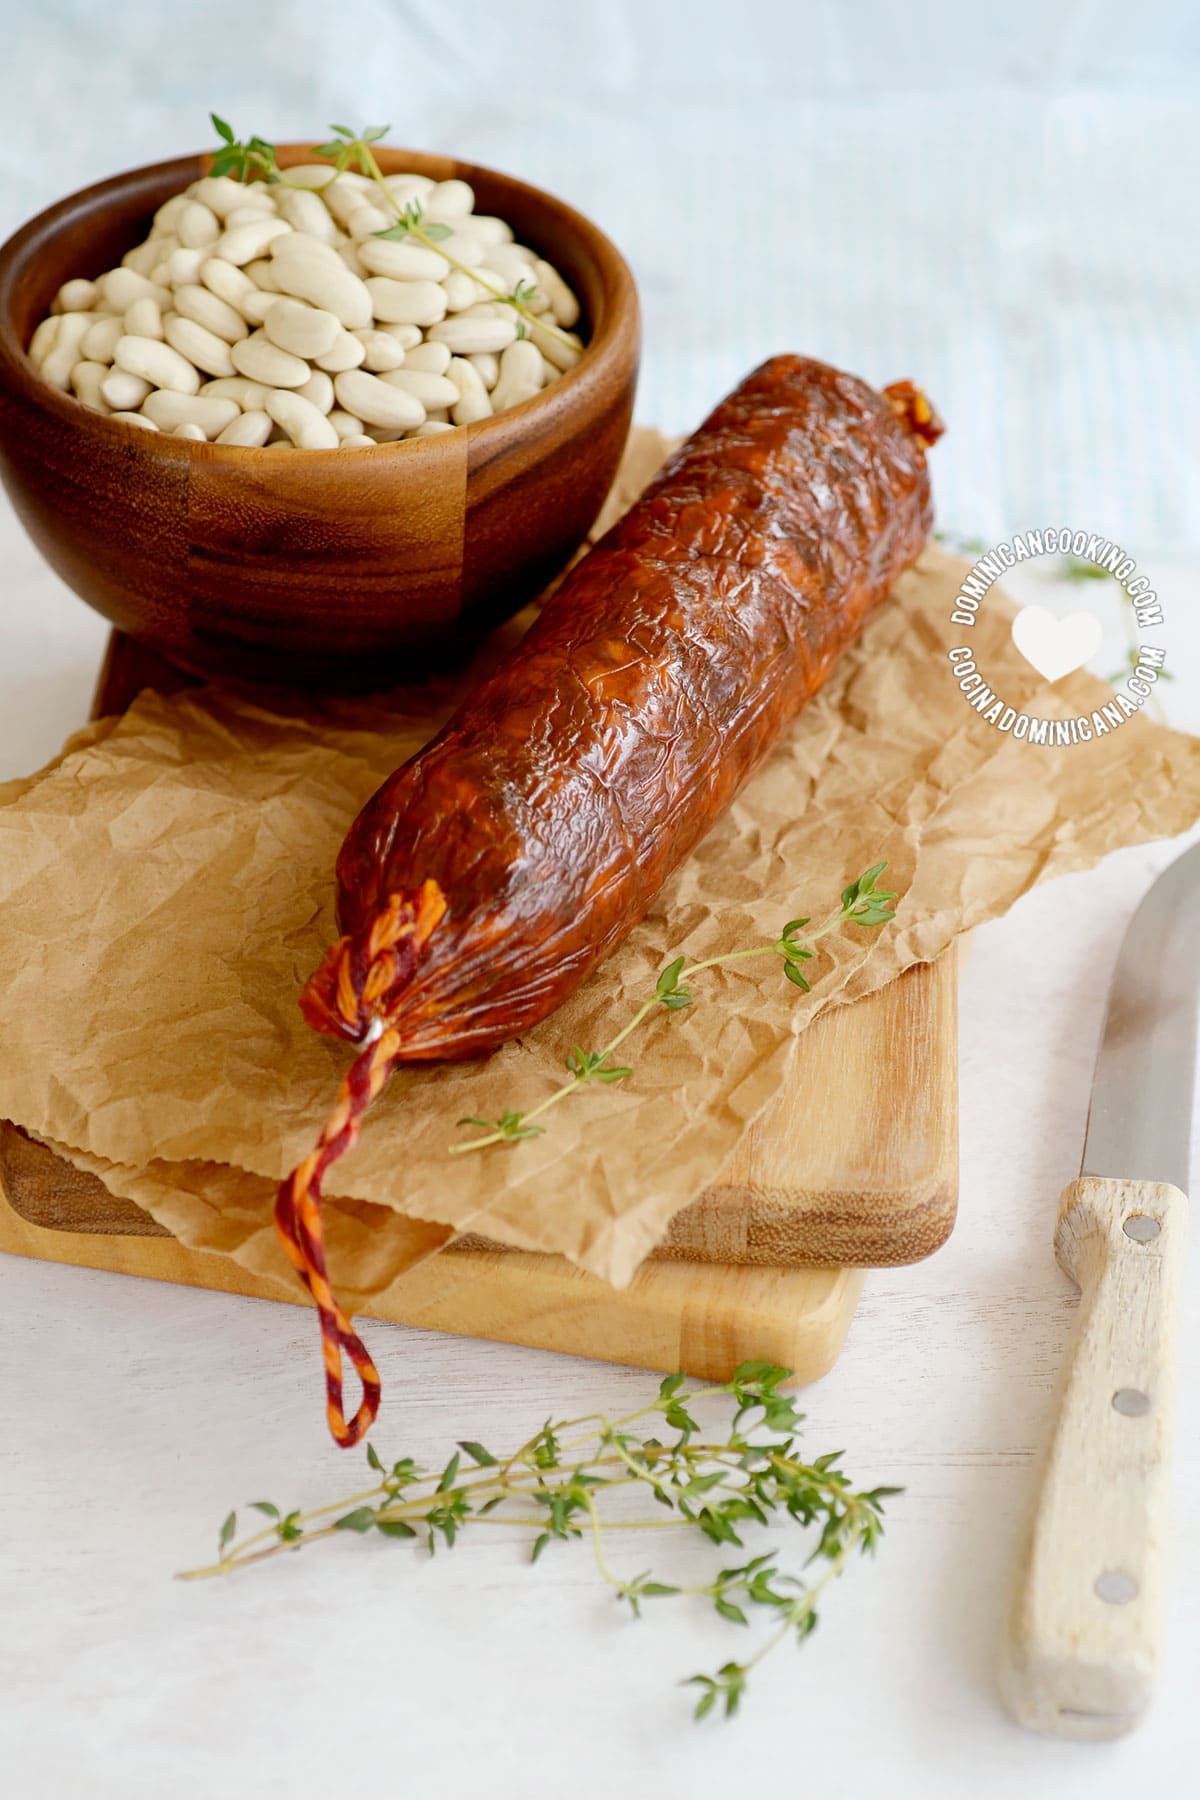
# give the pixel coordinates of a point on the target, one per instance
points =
(1082, 1646)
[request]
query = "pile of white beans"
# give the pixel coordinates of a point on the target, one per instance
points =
(267, 315)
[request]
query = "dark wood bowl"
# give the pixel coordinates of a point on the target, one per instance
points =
(338, 567)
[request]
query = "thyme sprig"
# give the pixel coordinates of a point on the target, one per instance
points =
(862, 903)
(563, 1480)
(255, 159)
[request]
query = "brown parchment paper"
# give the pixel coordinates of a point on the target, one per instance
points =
(166, 888)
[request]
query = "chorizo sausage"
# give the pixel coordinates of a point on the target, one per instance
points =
(488, 877)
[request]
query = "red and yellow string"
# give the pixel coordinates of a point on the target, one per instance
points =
(352, 995)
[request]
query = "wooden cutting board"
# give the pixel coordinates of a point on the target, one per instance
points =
(836, 1175)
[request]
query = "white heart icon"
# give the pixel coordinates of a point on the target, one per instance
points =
(1055, 647)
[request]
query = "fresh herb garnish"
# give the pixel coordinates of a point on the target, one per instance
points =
(561, 1481)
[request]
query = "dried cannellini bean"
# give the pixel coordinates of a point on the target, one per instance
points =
(448, 201)
(220, 193)
(324, 281)
(431, 390)
(250, 215)
(318, 391)
(380, 351)
(42, 341)
(562, 355)
(520, 375)
(188, 430)
(375, 401)
(185, 265)
(250, 429)
(87, 380)
(168, 212)
(156, 363)
(63, 352)
(433, 358)
(491, 229)
(135, 418)
(510, 262)
(404, 188)
(405, 302)
(143, 259)
(345, 194)
(169, 410)
(227, 283)
(563, 303)
(255, 307)
(246, 243)
(305, 425)
(121, 287)
(304, 330)
(488, 365)
(357, 441)
(77, 296)
(348, 252)
(469, 332)
(463, 289)
(144, 319)
(365, 220)
(307, 213)
(99, 341)
(204, 308)
(196, 226)
(262, 273)
(402, 261)
(349, 352)
(250, 395)
(260, 359)
(124, 392)
(473, 402)
(344, 423)
(203, 348)
(407, 336)
(431, 428)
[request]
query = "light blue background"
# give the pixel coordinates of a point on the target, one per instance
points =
(999, 201)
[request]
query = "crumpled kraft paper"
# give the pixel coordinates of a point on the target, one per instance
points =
(166, 887)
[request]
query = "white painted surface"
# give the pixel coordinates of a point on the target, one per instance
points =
(132, 1416)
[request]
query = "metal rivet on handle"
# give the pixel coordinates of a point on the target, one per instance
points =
(1141, 1228)
(1133, 1402)
(1116, 1588)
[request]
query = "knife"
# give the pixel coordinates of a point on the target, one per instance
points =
(1082, 1644)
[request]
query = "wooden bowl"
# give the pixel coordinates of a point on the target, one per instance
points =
(334, 568)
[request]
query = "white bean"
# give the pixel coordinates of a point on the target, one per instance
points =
(249, 395)
(375, 401)
(357, 440)
(121, 287)
(302, 329)
(345, 194)
(431, 428)
(408, 187)
(563, 356)
(520, 375)
(431, 390)
(467, 333)
(205, 349)
(87, 379)
(77, 296)
(349, 352)
(447, 200)
(318, 391)
(63, 353)
(124, 392)
(325, 281)
(344, 423)
(245, 243)
(262, 273)
(196, 226)
(462, 247)
(185, 265)
(365, 220)
(204, 308)
(227, 283)
(473, 402)
(407, 336)
(100, 340)
(310, 175)
(403, 262)
(169, 410)
(381, 351)
(301, 244)
(405, 302)
(42, 341)
(168, 212)
(251, 429)
(491, 229)
(260, 359)
(563, 303)
(188, 430)
(433, 358)
(488, 364)
(511, 262)
(220, 193)
(143, 319)
(143, 259)
(307, 213)
(463, 289)
(159, 364)
(134, 418)
(256, 306)
(305, 425)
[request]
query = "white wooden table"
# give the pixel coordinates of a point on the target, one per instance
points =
(133, 1416)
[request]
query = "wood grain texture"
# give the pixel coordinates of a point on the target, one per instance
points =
(1083, 1645)
(330, 567)
(706, 1319)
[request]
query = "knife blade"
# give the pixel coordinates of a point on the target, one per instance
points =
(1082, 1647)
